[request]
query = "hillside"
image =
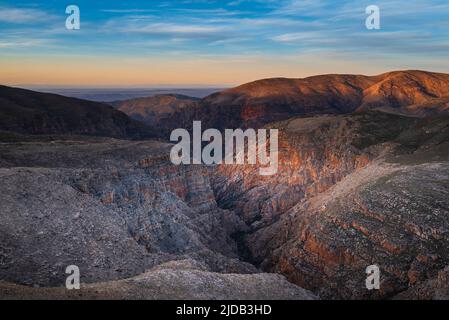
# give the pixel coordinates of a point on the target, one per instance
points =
(29, 112)
(152, 110)
(260, 102)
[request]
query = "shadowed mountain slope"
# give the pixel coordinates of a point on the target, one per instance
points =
(30, 112)
(151, 110)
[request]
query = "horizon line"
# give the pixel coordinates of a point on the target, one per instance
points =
(193, 85)
(112, 87)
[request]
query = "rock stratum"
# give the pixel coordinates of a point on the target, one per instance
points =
(363, 179)
(118, 209)
(351, 191)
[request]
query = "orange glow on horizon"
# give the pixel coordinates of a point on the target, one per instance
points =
(226, 71)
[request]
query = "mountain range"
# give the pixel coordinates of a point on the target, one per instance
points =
(260, 102)
(253, 104)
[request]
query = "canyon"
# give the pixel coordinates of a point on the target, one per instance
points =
(345, 198)
(363, 179)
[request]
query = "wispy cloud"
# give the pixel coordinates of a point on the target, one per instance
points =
(23, 15)
(22, 43)
(172, 29)
(301, 7)
(128, 10)
(282, 31)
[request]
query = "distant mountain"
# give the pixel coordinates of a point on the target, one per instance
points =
(30, 112)
(260, 102)
(253, 104)
(152, 110)
(120, 94)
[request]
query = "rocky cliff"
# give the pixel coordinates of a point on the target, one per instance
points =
(314, 154)
(117, 209)
(351, 191)
(112, 207)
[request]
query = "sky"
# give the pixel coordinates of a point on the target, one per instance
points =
(213, 43)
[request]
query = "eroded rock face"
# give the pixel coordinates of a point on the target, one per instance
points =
(395, 218)
(351, 191)
(114, 208)
(314, 154)
(176, 280)
(46, 225)
(436, 288)
(336, 206)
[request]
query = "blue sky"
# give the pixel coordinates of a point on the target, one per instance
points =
(206, 42)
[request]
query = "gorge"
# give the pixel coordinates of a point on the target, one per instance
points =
(363, 179)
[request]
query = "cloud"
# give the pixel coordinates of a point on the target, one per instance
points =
(281, 29)
(301, 7)
(173, 29)
(128, 10)
(23, 15)
(169, 28)
(298, 36)
(15, 43)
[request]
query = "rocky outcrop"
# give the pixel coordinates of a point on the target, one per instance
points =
(433, 289)
(335, 207)
(114, 208)
(395, 218)
(314, 154)
(178, 280)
